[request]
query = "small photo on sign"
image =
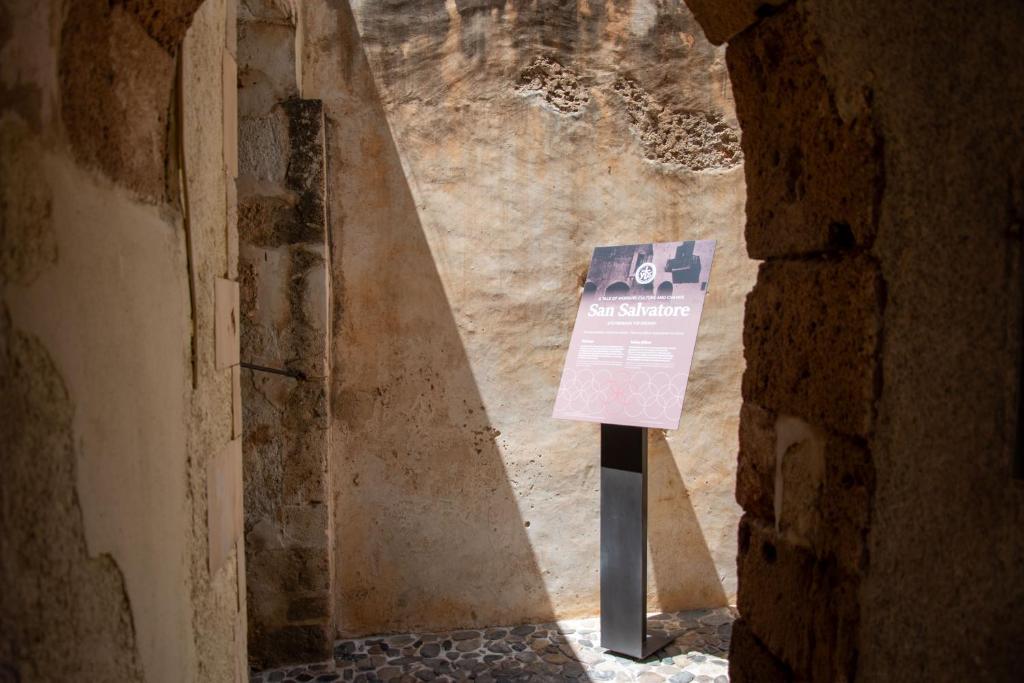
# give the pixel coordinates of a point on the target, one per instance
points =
(649, 268)
(635, 332)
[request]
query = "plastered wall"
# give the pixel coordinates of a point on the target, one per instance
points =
(477, 154)
(115, 404)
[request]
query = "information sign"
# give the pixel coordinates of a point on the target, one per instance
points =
(635, 332)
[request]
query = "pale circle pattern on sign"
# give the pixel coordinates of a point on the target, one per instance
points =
(585, 391)
(653, 396)
(640, 395)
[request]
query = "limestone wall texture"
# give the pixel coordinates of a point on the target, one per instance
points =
(881, 536)
(285, 339)
(478, 151)
(114, 407)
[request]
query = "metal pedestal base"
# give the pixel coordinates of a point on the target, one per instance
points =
(624, 543)
(654, 642)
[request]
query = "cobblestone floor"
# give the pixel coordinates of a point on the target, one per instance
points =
(566, 651)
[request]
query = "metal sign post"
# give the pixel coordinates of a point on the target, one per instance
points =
(627, 364)
(624, 543)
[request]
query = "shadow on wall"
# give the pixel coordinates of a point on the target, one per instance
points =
(428, 530)
(680, 560)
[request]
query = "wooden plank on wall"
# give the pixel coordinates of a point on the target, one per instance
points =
(224, 503)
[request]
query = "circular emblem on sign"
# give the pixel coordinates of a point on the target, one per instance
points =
(645, 273)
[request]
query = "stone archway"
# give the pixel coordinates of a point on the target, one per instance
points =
(869, 459)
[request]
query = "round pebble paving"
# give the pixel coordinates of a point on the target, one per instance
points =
(563, 651)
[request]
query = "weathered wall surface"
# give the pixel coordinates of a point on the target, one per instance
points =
(106, 441)
(478, 152)
(881, 538)
(285, 327)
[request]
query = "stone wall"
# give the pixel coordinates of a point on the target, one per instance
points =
(118, 526)
(285, 338)
(478, 151)
(881, 533)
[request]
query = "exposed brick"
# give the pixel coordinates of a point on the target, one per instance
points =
(723, 19)
(804, 609)
(755, 471)
(116, 88)
(750, 661)
(810, 340)
(812, 177)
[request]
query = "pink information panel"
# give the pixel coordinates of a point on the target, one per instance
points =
(633, 342)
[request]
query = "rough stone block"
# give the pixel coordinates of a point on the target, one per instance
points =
(116, 86)
(309, 608)
(723, 19)
(303, 339)
(294, 570)
(305, 468)
(804, 609)
(800, 457)
(166, 21)
(263, 148)
(810, 339)
(307, 401)
(293, 643)
(305, 526)
(266, 64)
(816, 487)
(812, 174)
(773, 598)
(846, 502)
(271, 222)
(306, 166)
(265, 606)
(750, 661)
(263, 533)
(755, 471)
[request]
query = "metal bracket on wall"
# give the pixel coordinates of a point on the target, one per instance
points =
(294, 374)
